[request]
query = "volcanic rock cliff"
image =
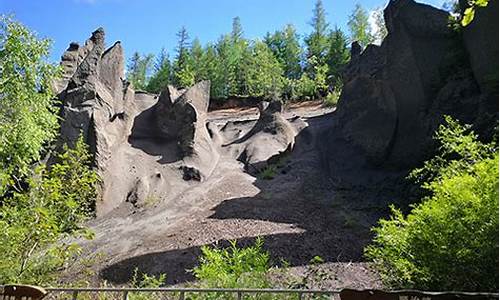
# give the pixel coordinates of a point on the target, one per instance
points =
(395, 94)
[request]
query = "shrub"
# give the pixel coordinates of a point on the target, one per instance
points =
(145, 281)
(56, 203)
(450, 240)
(234, 267)
(332, 97)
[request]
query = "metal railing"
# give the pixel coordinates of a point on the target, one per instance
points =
(185, 293)
(240, 294)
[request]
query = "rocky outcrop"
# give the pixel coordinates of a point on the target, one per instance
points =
(94, 97)
(271, 135)
(180, 115)
(395, 94)
(481, 41)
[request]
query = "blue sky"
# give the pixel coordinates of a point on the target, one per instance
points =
(147, 26)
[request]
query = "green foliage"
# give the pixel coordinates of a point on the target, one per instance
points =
(145, 281)
(27, 110)
(332, 97)
(183, 73)
(264, 75)
(338, 55)
(317, 41)
(468, 15)
(268, 173)
(233, 267)
(162, 75)
(138, 70)
(286, 48)
(359, 26)
(56, 203)
(459, 149)
(319, 75)
(450, 240)
(275, 68)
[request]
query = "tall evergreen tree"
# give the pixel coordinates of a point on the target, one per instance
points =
(212, 67)
(139, 69)
(183, 65)
(286, 48)
(317, 41)
(163, 72)
(359, 26)
(237, 31)
(338, 55)
(197, 58)
(264, 76)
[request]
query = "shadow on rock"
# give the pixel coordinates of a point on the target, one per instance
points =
(327, 216)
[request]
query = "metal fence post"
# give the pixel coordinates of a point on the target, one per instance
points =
(300, 295)
(125, 295)
(75, 295)
(239, 294)
(181, 295)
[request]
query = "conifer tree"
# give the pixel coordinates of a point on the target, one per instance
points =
(317, 41)
(359, 26)
(338, 55)
(183, 65)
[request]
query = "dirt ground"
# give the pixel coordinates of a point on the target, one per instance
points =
(301, 213)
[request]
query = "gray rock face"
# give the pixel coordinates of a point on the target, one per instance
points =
(395, 95)
(94, 97)
(180, 115)
(271, 135)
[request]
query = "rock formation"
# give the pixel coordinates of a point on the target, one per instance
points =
(181, 116)
(271, 135)
(146, 146)
(94, 96)
(395, 94)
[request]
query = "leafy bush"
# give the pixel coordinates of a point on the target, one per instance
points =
(27, 105)
(332, 98)
(234, 267)
(450, 240)
(57, 201)
(145, 281)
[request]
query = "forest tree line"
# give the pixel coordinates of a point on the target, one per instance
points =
(281, 65)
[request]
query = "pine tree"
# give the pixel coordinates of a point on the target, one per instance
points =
(139, 69)
(237, 31)
(338, 55)
(317, 41)
(359, 26)
(183, 66)
(197, 58)
(286, 48)
(162, 76)
(264, 76)
(211, 64)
